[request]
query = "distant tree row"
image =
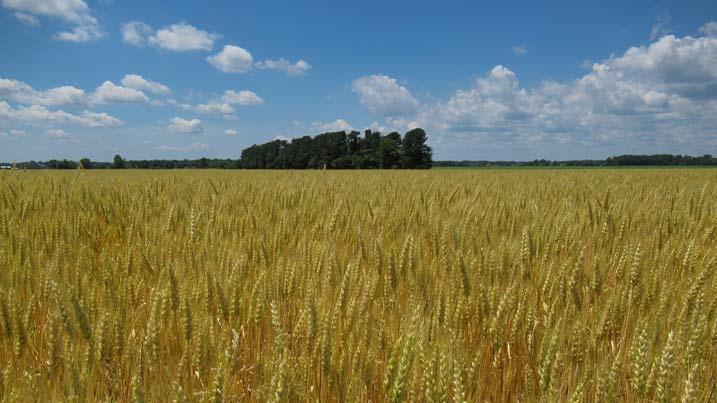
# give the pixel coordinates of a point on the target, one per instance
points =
(621, 160)
(120, 163)
(282, 154)
(661, 159)
(339, 150)
(333, 150)
(533, 163)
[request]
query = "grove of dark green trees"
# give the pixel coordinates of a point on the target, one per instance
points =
(339, 150)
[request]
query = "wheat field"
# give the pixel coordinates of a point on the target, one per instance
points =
(436, 286)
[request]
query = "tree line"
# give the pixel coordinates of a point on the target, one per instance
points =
(661, 159)
(339, 150)
(331, 150)
(620, 160)
(201, 163)
(121, 163)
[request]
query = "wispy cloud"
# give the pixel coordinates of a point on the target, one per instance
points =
(190, 147)
(661, 26)
(520, 50)
(85, 26)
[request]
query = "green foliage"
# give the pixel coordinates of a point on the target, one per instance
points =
(118, 162)
(416, 154)
(338, 150)
(61, 164)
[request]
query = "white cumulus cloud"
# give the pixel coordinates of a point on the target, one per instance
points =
(135, 32)
(335, 126)
(215, 107)
(23, 93)
(110, 93)
(231, 132)
(84, 33)
(100, 119)
(76, 12)
(299, 68)
(38, 115)
(140, 83)
(183, 37)
(68, 10)
(244, 98)
(232, 59)
(179, 125)
(223, 105)
(383, 95)
(56, 133)
(655, 98)
(65, 95)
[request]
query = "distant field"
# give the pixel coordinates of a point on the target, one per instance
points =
(447, 285)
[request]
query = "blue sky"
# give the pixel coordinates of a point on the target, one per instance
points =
(498, 80)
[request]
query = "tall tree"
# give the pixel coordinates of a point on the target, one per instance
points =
(118, 162)
(330, 146)
(416, 153)
(369, 157)
(301, 152)
(353, 141)
(390, 151)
